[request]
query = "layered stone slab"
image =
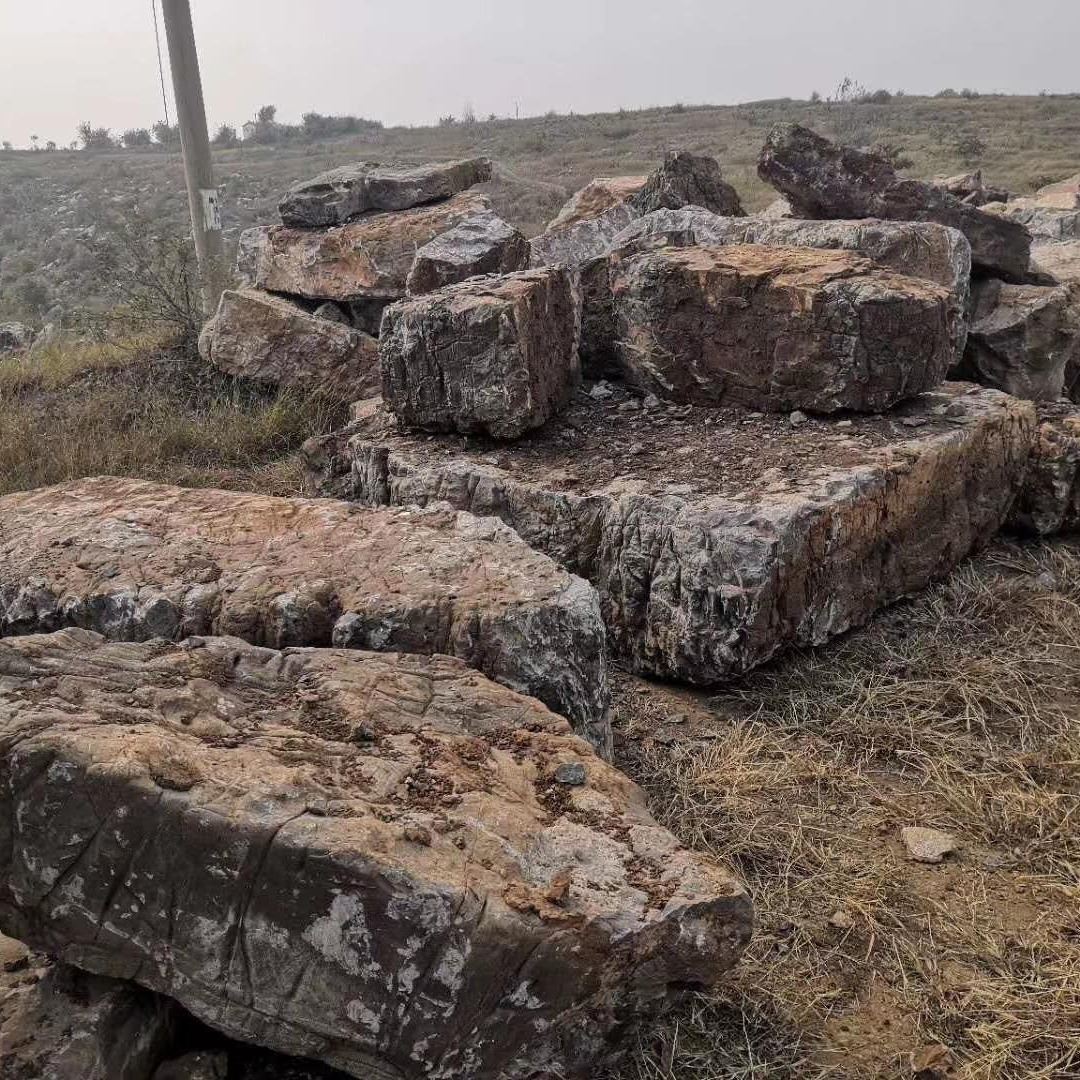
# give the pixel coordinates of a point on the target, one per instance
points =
(483, 244)
(822, 180)
(497, 355)
(1049, 502)
(136, 560)
(777, 328)
(718, 538)
(366, 259)
(339, 195)
(363, 859)
(261, 336)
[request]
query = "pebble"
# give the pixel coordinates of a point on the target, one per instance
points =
(798, 418)
(601, 391)
(571, 774)
(928, 845)
(914, 421)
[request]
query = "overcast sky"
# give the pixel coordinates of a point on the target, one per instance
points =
(410, 61)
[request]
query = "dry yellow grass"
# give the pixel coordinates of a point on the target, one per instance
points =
(958, 711)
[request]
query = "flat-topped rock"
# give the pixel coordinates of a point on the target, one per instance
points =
(777, 328)
(337, 196)
(718, 538)
(366, 259)
(822, 180)
(497, 355)
(1044, 222)
(272, 339)
(480, 245)
(1049, 501)
(1023, 339)
(136, 560)
(363, 859)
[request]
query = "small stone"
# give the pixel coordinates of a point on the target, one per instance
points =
(841, 920)
(418, 834)
(914, 421)
(928, 845)
(651, 401)
(14, 955)
(932, 1063)
(798, 418)
(601, 391)
(571, 774)
(845, 425)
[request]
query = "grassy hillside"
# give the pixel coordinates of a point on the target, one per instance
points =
(51, 202)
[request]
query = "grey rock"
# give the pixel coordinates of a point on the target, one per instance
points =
(57, 1023)
(344, 193)
(571, 774)
(1049, 501)
(575, 244)
(712, 583)
(14, 338)
(255, 864)
(483, 244)
(686, 179)
(1023, 339)
(497, 355)
(200, 1065)
(1044, 223)
(822, 180)
(271, 339)
(136, 560)
(972, 189)
(777, 328)
(333, 312)
(928, 845)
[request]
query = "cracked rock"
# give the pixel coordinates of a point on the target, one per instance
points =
(276, 897)
(1049, 501)
(136, 560)
(483, 244)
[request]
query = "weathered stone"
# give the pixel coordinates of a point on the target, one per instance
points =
(1059, 261)
(598, 196)
(484, 244)
(822, 180)
(265, 337)
(1049, 502)
(136, 560)
(342, 194)
(582, 240)
(363, 260)
(777, 210)
(14, 338)
(496, 355)
(686, 179)
(928, 845)
(230, 826)
(972, 189)
(57, 1023)
(735, 536)
(778, 328)
(1069, 186)
(1022, 340)
(1043, 222)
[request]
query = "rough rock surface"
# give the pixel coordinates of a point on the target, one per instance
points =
(366, 259)
(1060, 261)
(57, 1023)
(136, 560)
(272, 339)
(496, 355)
(686, 179)
(778, 328)
(1049, 502)
(341, 194)
(1069, 186)
(1023, 339)
(484, 244)
(581, 240)
(14, 337)
(717, 538)
(597, 196)
(346, 856)
(822, 180)
(972, 188)
(1054, 223)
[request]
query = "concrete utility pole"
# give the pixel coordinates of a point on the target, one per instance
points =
(195, 141)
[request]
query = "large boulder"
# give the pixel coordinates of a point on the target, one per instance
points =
(136, 560)
(57, 1023)
(1069, 186)
(497, 355)
(581, 240)
(387, 863)
(1059, 261)
(339, 195)
(596, 197)
(1049, 501)
(483, 244)
(272, 339)
(686, 179)
(822, 180)
(366, 259)
(1023, 339)
(778, 328)
(1042, 221)
(717, 538)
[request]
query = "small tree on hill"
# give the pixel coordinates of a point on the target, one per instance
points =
(226, 137)
(167, 135)
(135, 137)
(93, 138)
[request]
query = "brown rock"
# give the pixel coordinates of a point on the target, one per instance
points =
(1069, 186)
(822, 180)
(274, 340)
(342, 194)
(1022, 339)
(583, 239)
(135, 560)
(494, 355)
(1049, 501)
(928, 845)
(61, 1024)
(596, 197)
(687, 179)
(778, 328)
(732, 537)
(366, 259)
(278, 899)
(483, 244)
